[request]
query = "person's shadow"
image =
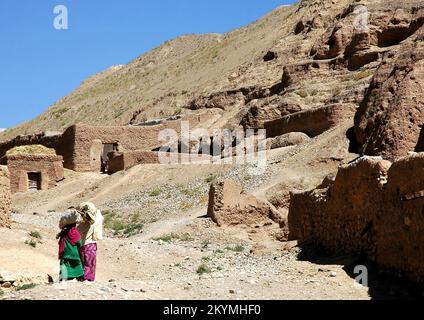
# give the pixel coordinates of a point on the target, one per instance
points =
(383, 285)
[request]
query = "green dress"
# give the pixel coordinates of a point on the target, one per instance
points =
(71, 265)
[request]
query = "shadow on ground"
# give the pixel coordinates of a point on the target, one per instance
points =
(383, 285)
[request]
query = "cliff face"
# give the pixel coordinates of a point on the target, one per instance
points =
(390, 118)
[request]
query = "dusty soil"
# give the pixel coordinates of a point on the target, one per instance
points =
(243, 263)
(142, 268)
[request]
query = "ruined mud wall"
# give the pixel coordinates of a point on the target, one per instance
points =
(340, 216)
(312, 122)
(230, 205)
(400, 226)
(4, 197)
(128, 138)
(49, 141)
(372, 207)
(50, 167)
(128, 159)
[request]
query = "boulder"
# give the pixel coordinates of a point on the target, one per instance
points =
(287, 140)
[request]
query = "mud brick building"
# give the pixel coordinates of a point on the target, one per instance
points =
(33, 171)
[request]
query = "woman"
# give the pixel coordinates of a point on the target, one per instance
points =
(69, 242)
(91, 230)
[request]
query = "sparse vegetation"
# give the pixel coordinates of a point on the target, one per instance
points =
(362, 75)
(203, 269)
(185, 205)
(133, 229)
(173, 236)
(302, 93)
(35, 235)
(205, 243)
(166, 238)
(237, 248)
(121, 226)
(178, 111)
(211, 178)
(155, 192)
(26, 287)
(194, 193)
(31, 243)
(314, 92)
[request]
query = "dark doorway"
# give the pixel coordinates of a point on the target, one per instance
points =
(34, 181)
(107, 148)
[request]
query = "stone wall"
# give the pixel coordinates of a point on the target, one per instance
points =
(4, 197)
(312, 122)
(50, 167)
(371, 207)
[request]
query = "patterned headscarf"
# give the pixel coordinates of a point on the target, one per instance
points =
(88, 211)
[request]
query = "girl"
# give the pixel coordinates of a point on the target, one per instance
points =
(69, 242)
(91, 230)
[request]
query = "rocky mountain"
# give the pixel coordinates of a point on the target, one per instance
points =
(239, 73)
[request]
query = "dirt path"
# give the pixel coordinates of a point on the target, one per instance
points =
(142, 268)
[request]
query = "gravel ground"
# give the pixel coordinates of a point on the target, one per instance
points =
(170, 198)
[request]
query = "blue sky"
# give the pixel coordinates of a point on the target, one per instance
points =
(40, 64)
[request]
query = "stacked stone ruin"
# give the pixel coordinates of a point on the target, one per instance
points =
(373, 207)
(5, 198)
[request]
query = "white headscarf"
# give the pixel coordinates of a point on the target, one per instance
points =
(92, 215)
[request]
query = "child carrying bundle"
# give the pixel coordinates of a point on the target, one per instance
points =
(69, 243)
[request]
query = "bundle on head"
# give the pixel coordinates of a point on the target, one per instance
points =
(69, 217)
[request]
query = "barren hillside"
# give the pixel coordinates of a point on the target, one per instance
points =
(163, 80)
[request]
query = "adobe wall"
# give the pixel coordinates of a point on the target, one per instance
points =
(49, 141)
(230, 205)
(50, 167)
(75, 144)
(312, 122)
(128, 159)
(372, 207)
(339, 217)
(400, 228)
(5, 200)
(78, 140)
